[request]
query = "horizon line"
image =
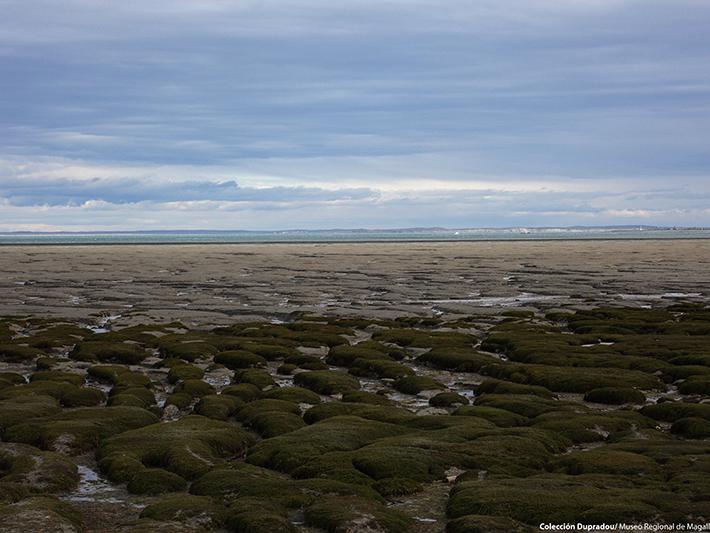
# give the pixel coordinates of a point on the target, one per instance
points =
(641, 227)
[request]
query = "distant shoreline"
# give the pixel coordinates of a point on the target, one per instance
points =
(349, 241)
(355, 235)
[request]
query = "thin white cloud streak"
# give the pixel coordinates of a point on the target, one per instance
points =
(106, 21)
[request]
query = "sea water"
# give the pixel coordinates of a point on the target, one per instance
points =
(354, 235)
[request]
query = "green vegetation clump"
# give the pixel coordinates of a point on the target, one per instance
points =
(271, 417)
(672, 411)
(46, 363)
(379, 368)
(262, 457)
(22, 409)
(494, 386)
(12, 378)
(57, 336)
(187, 351)
(691, 427)
(271, 352)
(78, 430)
(327, 382)
(448, 399)
(524, 405)
(109, 352)
(255, 376)
(237, 359)
(53, 375)
(186, 392)
(133, 397)
(423, 339)
(294, 394)
(264, 405)
(557, 499)
(65, 393)
(40, 513)
(218, 406)
(396, 486)
(235, 480)
(120, 376)
(572, 379)
(155, 481)
(607, 462)
(28, 469)
(273, 423)
(416, 384)
(381, 413)
(346, 355)
(456, 359)
(499, 417)
(286, 369)
(475, 523)
(246, 392)
(591, 427)
(347, 513)
(252, 515)
(305, 362)
(186, 508)
(195, 388)
(288, 452)
(184, 371)
(696, 385)
(615, 396)
(165, 455)
(16, 353)
(673, 373)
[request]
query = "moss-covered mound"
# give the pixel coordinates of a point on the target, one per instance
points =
(270, 417)
(252, 515)
(186, 508)
(163, 454)
(288, 452)
(22, 409)
(218, 406)
(109, 352)
(254, 376)
(352, 513)
(558, 499)
(417, 384)
(327, 382)
(448, 399)
(672, 411)
(78, 430)
(312, 446)
(17, 353)
(65, 393)
(40, 513)
(474, 523)
(692, 428)
(615, 396)
(187, 350)
(294, 394)
(26, 469)
(236, 359)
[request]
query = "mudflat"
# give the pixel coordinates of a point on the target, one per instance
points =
(369, 388)
(213, 284)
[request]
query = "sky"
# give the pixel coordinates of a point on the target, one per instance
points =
(286, 114)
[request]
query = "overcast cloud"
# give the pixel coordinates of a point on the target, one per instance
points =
(159, 114)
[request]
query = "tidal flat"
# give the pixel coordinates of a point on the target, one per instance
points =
(452, 388)
(215, 284)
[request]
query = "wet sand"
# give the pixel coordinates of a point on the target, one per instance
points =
(213, 284)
